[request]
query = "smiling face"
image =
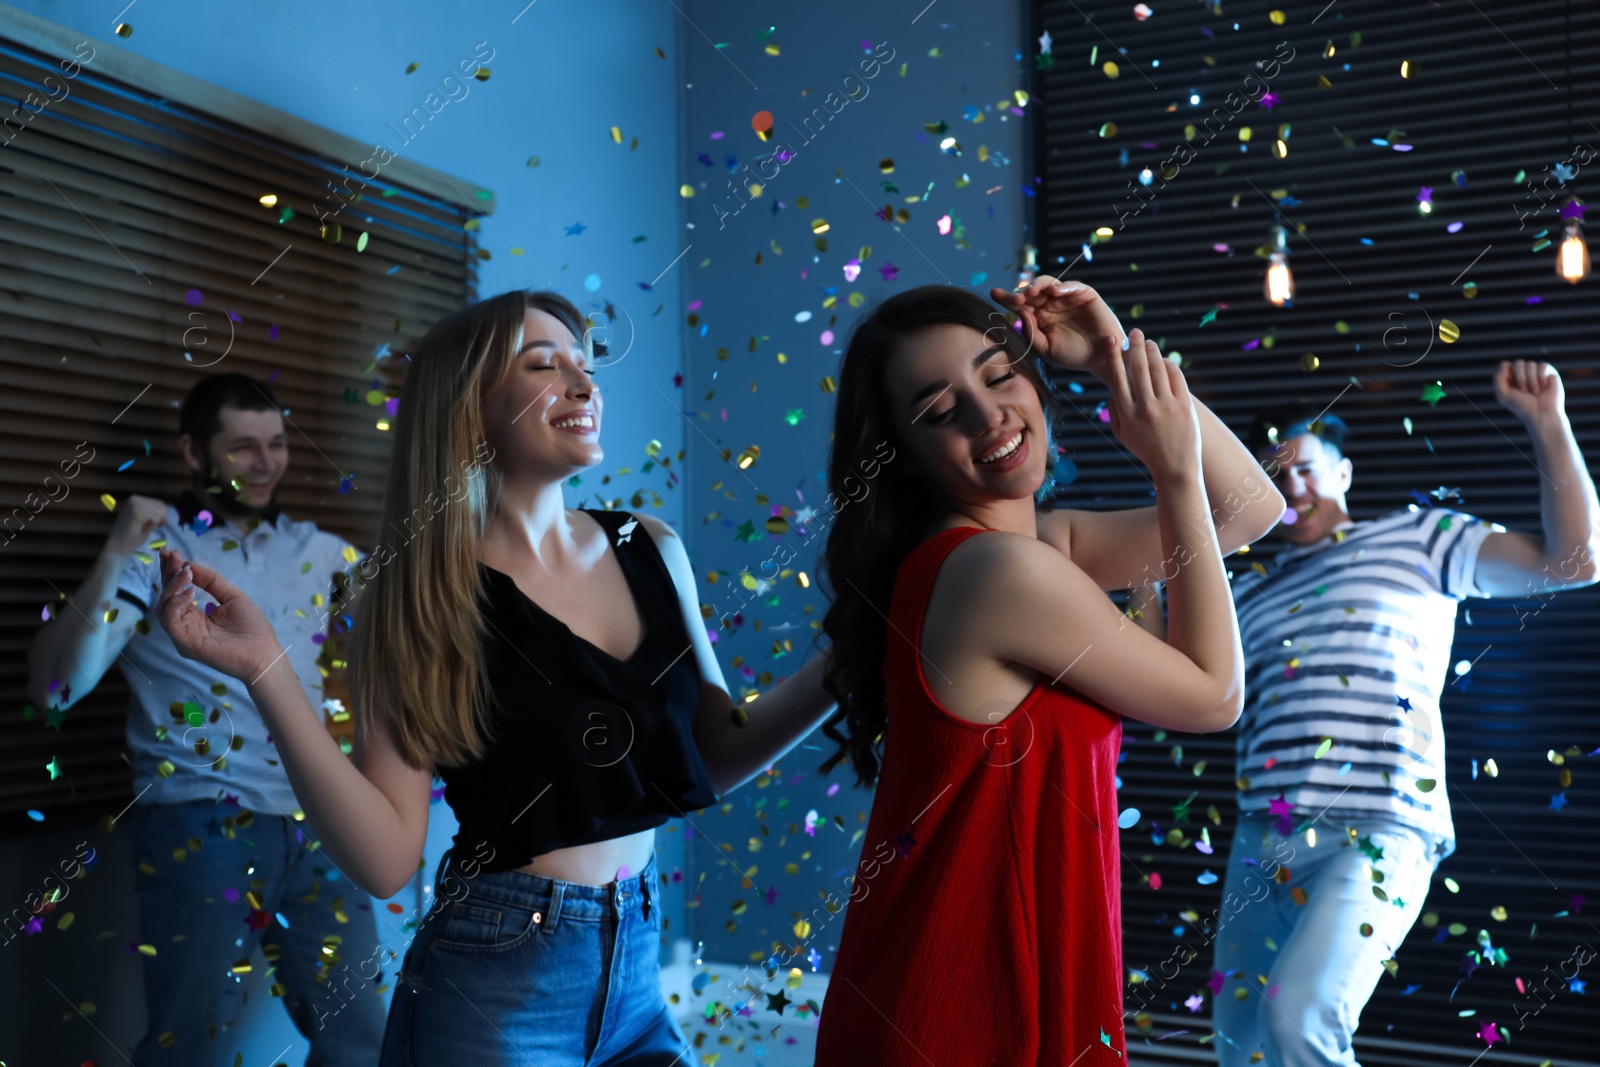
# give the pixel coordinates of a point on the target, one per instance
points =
(959, 407)
(545, 414)
(248, 455)
(1313, 482)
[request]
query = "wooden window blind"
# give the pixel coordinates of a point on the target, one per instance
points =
(1496, 89)
(136, 257)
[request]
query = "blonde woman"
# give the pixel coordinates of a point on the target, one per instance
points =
(552, 666)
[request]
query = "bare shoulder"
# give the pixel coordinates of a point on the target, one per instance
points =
(991, 568)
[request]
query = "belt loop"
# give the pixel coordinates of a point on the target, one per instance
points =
(553, 915)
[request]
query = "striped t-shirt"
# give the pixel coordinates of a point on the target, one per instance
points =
(1346, 650)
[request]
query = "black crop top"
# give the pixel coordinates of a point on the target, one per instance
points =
(584, 747)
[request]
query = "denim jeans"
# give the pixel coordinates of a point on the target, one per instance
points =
(514, 968)
(197, 914)
(1319, 967)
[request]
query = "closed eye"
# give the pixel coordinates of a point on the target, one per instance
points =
(944, 415)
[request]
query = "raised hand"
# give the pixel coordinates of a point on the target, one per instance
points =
(1067, 324)
(231, 635)
(137, 516)
(1152, 413)
(1530, 389)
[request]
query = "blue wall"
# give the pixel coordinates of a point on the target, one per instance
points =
(756, 270)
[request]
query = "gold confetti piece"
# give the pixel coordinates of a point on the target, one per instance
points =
(1322, 749)
(411, 68)
(1491, 768)
(1449, 332)
(1457, 929)
(1499, 912)
(124, 29)
(616, 134)
(1380, 894)
(1366, 929)
(109, 501)
(482, 74)
(828, 385)
(1408, 69)
(819, 225)
(686, 191)
(1452, 885)
(1108, 130)
(1426, 784)
(1111, 69)
(1309, 362)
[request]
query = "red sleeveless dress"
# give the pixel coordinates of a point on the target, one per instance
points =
(985, 923)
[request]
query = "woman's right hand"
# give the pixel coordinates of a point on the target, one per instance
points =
(1152, 413)
(231, 636)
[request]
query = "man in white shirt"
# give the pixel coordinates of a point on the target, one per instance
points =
(1347, 637)
(224, 862)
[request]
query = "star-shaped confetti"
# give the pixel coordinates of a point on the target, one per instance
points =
(1487, 1032)
(1215, 982)
(1572, 210)
(53, 717)
(1194, 1003)
(777, 1002)
(1577, 985)
(889, 271)
(1209, 317)
(1432, 393)
(54, 767)
(1403, 702)
(1373, 852)
(575, 229)
(1426, 196)
(1558, 801)
(1269, 100)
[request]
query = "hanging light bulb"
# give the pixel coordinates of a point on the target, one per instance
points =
(1572, 263)
(1280, 283)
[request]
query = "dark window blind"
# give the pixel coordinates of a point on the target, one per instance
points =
(135, 258)
(1376, 280)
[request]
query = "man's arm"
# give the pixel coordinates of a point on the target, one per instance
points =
(1515, 564)
(72, 652)
(1121, 549)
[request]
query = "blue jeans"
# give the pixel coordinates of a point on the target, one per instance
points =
(198, 932)
(514, 968)
(1298, 975)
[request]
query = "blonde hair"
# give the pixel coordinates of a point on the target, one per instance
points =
(417, 649)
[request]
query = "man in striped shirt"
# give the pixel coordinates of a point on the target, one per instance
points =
(1347, 636)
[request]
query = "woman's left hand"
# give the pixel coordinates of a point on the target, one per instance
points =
(1068, 323)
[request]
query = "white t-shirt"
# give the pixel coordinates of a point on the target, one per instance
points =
(1349, 639)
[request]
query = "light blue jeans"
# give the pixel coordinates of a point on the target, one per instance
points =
(196, 914)
(514, 968)
(1298, 975)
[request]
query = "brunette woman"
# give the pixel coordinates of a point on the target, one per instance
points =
(552, 666)
(982, 672)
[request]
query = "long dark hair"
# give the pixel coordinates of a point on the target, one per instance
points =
(874, 531)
